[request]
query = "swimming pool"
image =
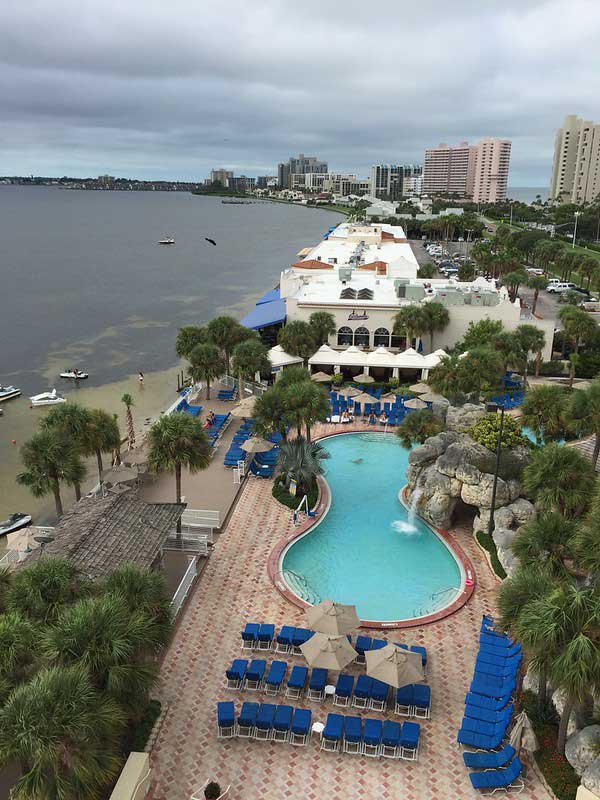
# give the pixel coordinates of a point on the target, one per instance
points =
(366, 550)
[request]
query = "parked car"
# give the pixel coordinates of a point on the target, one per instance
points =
(559, 288)
(534, 271)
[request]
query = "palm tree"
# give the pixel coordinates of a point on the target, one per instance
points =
(410, 322)
(301, 461)
(418, 426)
(532, 340)
(577, 325)
(248, 358)
(188, 337)
(206, 364)
(292, 375)
(49, 459)
(41, 590)
(323, 326)
(144, 591)
(537, 283)
(481, 369)
(510, 347)
(226, 332)
(18, 651)
(175, 441)
(544, 411)
(71, 421)
(271, 412)
(560, 478)
(435, 317)
(307, 403)
(545, 542)
(584, 411)
(127, 399)
(116, 646)
(101, 435)
(481, 334)
(298, 339)
(512, 280)
(586, 541)
(64, 734)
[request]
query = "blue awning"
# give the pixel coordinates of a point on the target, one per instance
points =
(272, 294)
(265, 314)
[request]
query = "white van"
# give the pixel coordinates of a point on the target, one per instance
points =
(559, 288)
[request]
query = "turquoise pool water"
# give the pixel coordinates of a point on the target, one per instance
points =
(367, 551)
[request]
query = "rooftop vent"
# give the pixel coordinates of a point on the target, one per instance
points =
(348, 294)
(365, 294)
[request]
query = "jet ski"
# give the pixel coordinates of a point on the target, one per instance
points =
(14, 522)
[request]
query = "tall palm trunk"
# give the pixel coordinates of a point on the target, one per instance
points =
(535, 299)
(564, 725)
(543, 687)
(77, 487)
(56, 493)
(178, 494)
(208, 389)
(100, 465)
(538, 363)
(596, 451)
(308, 431)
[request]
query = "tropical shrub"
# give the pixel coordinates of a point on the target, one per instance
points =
(418, 426)
(487, 429)
(281, 493)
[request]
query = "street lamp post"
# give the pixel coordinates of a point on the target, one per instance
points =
(493, 408)
(577, 213)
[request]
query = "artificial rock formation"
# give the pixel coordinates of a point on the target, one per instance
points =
(581, 749)
(451, 468)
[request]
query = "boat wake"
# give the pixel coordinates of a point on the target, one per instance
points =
(405, 526)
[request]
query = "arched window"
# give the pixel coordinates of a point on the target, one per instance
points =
(381, 337)
(344, 336)
(361, 337)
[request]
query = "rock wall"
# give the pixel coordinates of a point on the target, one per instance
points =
(451, 467)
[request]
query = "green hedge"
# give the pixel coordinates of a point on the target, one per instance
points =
(143, 728)
(488, 544)
(281, 494)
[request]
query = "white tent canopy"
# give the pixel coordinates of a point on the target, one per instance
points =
(410, 359)
(325, 356)
(381, 357)
(433, 359)
(352, 357)
(279, 358)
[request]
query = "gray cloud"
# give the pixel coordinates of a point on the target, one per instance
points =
(153, 89)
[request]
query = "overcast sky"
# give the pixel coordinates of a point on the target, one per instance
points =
(170, 88)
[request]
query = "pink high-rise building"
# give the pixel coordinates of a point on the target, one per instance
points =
(479, 171)
(491, 172)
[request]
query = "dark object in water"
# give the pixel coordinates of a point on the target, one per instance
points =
(357, 460)
(212, 241)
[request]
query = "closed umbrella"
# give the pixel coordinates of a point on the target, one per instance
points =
(333, 619)
(245, 407)
(394, 665)
(256, 445)
(328, 652)
(321, 377)
(522, 736)
(364, 378)
(431, 397)
(415, 403)
(419, 388)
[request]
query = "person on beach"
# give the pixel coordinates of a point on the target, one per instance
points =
(141, 378)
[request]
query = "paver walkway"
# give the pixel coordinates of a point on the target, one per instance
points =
(234, 589)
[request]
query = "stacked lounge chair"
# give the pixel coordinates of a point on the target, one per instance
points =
(235, 452)
(489, 710)
(371, 737)
(227, 394)
(185, 407)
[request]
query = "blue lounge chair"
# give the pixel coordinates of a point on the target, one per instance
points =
(297, 682)
(409, 741)
(266, 634)
(372, 733)
(301, 727)
(316, 685)
(362, 691)
(236, 673)
(263, 730)
(492, 688)
(363, 643)
(343, 690)
(352, 735)
(485, 657)
(275, 676)
(377, 644)
(422, 701)
(250, 636)
(405, 700)
(416, 648)
(379, 695)
(300, 636)
(506, 778)
(282, 723)
(261, 472)
(484, 728)
(255, 675)
(225, 720)
(332, 733)
(485, 715)
(283, 641)
(501, 652)
(390, 739)
(247, 720)
(496, 670)
(492, 760)
(493, 704)
(478, 740)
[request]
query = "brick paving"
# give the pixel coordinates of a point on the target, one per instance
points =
(234, 589)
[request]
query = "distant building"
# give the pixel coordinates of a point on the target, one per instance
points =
(412, 186)
(241, 184)
(576, 167)
(302, 165)
(387, 180)
(222, 176)
(265, 181)
(491, 170)
(106, 181)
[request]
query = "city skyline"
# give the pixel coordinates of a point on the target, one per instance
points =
(83, 93)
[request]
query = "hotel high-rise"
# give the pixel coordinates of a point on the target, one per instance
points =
(478, 171)
(576, 168)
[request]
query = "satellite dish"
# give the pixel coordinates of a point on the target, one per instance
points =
(43, 539)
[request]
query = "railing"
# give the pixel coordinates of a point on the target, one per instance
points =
(238, 472)
(187, 542)
(9, 558)
(248, 387)
(184, 587)
(200, 518)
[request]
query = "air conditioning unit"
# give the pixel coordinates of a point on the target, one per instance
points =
(345, 273)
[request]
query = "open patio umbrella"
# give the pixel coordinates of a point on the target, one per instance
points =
(349, 391)
(363, 397)
(419, 388)
(245, 407)
(415, 403)
(364, 378)
(333, 619)
(522, 736)
(394, 665)
(321, 377)
(388, 397)
(431, 397)
(137, 456)
(328, 652)
(256, 445)
(120, 474)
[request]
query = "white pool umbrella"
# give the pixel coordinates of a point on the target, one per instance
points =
(394, 665)
(321, 377)
(363, 397)
(256, 445)
(431, 397)
(333, 619)
(364, 378)
(328, 652)
(349, 391)
(419, 388)
(415, 403)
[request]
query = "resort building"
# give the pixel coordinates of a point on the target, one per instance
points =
(491, 170)
(301, 165)
(576, 167)
(479, 171)
(387, 180)
(222, 176)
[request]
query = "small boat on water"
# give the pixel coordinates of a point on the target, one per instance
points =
(167, 240)
(47, 399)
(14, 523)
(8, 392)
(74, 374)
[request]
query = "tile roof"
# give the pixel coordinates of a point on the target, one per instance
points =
(100, 535)
(311, 263)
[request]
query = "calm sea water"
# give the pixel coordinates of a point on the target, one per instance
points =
(84, 284)
(527, 194)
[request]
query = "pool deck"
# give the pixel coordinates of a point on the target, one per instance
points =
(233, 589)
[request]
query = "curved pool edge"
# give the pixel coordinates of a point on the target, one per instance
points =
(322, 507)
